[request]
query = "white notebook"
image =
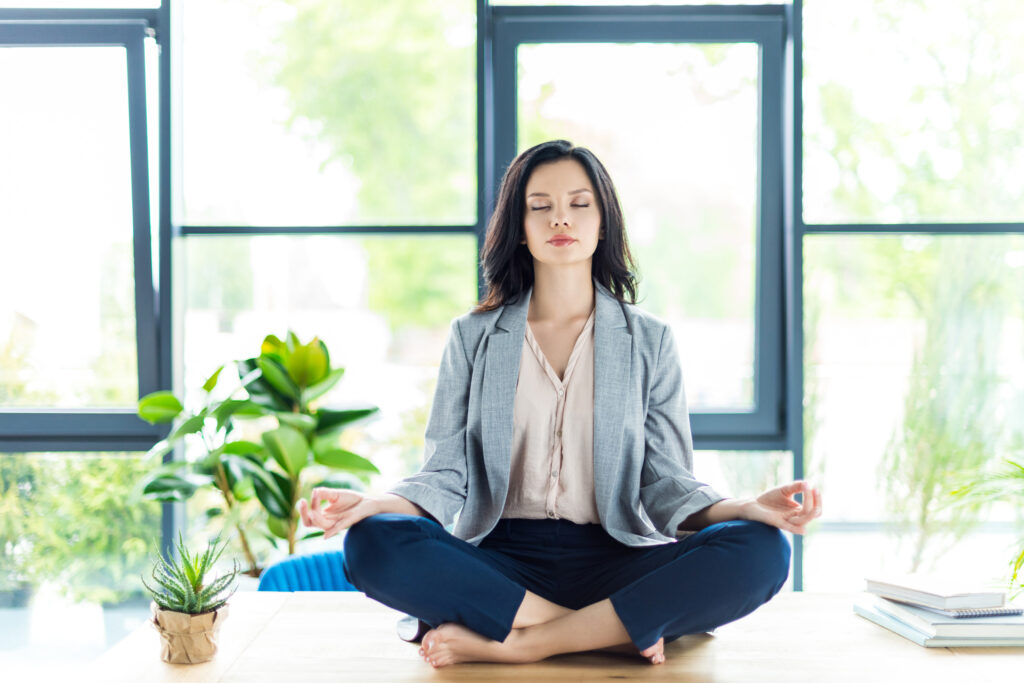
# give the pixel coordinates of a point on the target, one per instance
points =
(933, 624)
(938, 594)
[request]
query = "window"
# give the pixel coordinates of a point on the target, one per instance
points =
(701, 198)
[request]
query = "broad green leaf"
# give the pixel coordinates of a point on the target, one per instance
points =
(272, 344)
(209, 384)
(323, 347)
(307, 364)
(241, 447)
(304, 423)
(293, 341)
(322, 387)
(341, 459)
(260, 390)
(189, 426)
(173, 488)
(243, 490)
(284, 485)
(270, 496)
(160, 406)
(288, 447)
(278, 527)
(330, 420)
(313, 534)
(235, 406)
(278, 378)
(338, 480)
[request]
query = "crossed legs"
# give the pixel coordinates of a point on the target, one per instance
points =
(484, 613)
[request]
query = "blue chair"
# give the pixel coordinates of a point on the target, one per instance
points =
(326, 572)
(317, 572)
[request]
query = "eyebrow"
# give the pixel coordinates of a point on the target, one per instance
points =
(545, 194)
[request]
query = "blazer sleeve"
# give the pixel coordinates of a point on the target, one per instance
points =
(440, 485)
(668, 491)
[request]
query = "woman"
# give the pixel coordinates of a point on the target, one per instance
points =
(559, 436)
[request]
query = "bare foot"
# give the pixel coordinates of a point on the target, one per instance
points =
(454, 643)
(655, 653)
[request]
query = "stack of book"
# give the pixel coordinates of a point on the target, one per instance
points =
(938, 615)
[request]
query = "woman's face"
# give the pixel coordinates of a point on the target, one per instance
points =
(560, 203)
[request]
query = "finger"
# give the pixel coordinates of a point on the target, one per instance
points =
(793, 488)
(319, 519)
(304, 512)
(802, 516)
(338, 527)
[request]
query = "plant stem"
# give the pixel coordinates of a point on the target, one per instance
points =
(222, 484)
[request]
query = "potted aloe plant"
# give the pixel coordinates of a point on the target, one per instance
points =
(284, 382)
(188, 607)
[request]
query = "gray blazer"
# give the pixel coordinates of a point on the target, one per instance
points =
(643, 450)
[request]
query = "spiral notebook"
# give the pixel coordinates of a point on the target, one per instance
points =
(935, 625)
(966, 613)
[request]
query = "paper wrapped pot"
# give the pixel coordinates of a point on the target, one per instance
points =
(187, 638)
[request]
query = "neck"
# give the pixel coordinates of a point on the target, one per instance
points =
(562, 294)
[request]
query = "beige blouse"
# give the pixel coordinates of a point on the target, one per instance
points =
(552, 473)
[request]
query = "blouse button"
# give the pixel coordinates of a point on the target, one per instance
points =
(559, 432)
(551, 514)
(561, 391)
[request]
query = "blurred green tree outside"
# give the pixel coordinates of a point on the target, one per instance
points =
(959, 289)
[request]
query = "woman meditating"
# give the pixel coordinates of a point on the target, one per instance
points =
(559, 437)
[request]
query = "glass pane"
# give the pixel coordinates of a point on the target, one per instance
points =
(745, 474)
(631, 2)
(914, 381)
(79, 4)
(67, 317)
(688, 192)
(382, 305)
(73, 545)
(339, 112)
(940, 138)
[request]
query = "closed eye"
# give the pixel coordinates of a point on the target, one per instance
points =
(542, 208)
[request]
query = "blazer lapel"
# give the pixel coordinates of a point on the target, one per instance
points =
(613, 357)
(501, 373)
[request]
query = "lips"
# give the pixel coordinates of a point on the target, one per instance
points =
(561, 240)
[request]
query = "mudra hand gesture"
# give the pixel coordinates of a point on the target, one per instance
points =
(779, 508)
(344, 508)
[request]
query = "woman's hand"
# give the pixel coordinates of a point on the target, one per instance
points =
(779, 508)
(344, 508)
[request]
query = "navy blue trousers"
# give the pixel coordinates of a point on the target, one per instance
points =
(696, 584)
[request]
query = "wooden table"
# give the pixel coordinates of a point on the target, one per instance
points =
(307, 637)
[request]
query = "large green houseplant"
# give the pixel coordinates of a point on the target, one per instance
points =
(1006, 483)
(285, 381)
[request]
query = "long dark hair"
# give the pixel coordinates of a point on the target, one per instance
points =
(508, 265)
